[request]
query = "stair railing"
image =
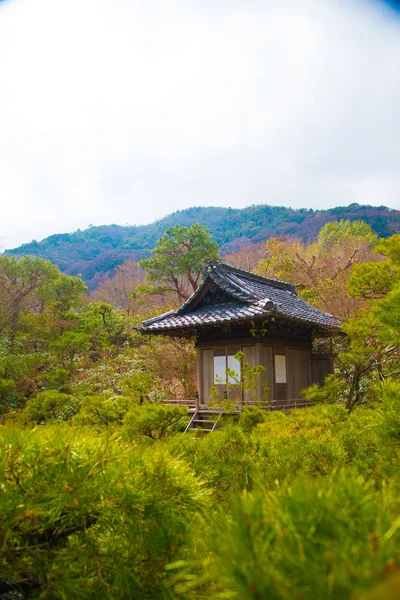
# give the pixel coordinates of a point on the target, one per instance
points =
(190, 422)
(216, 421)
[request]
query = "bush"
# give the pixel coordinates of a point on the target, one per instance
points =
(154, 421)
(7, 393)
(251, 417)
(57, 379)
(49, 406)
(333, 537)
(303, 505)
(390, 409)
(82, 518)
(316, 440)
(102, 412)
(329, 393)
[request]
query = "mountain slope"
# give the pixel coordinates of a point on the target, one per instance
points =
(96, 251)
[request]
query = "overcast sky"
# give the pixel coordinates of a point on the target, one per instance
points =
(122, 111)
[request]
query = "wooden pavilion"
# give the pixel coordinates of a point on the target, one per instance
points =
(234, 310)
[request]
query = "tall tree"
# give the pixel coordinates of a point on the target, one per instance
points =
(321, 270)
(29, 283)
(370, 353)
(178, 259)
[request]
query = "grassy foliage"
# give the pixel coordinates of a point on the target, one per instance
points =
(297, 505)
(294, 542)
(300, 505)
(85, 517)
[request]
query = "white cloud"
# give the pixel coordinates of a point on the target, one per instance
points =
(124, 111)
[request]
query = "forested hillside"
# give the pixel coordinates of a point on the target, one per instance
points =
(97, 251)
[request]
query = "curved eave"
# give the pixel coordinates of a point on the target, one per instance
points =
(178, 329)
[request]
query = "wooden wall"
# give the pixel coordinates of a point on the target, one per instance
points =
(301, 370)
(298, 370)
(321, 366)
(207, 374)
(259, 354)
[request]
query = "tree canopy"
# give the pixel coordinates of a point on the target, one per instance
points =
(320, 270)
(33, 284)
(178, 259)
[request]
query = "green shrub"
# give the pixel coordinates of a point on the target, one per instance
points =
(390, 409)
(316, 440)
(303, 505)
(329, 393)
(227, 459)
(49, 406)
(57, 379)
(331, 537)
(101, 411)
(251, 417)
(7, 394)
(154, 421)
(7, 387)
(84, 518)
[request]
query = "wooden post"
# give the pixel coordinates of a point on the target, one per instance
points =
(258, 362)
(199, 397)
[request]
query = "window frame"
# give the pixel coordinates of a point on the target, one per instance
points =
(227, 353)
(280, 369)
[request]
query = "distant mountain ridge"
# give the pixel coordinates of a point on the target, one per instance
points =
(95, 252)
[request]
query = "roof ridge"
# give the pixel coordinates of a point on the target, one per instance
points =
(210, 271)
(219, 271)
(159, 317)
(249, 275)
(227, 285)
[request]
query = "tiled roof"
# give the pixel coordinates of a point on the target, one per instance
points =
(248, 297)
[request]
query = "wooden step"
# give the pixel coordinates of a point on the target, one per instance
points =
(199, 421)
(201, 429)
